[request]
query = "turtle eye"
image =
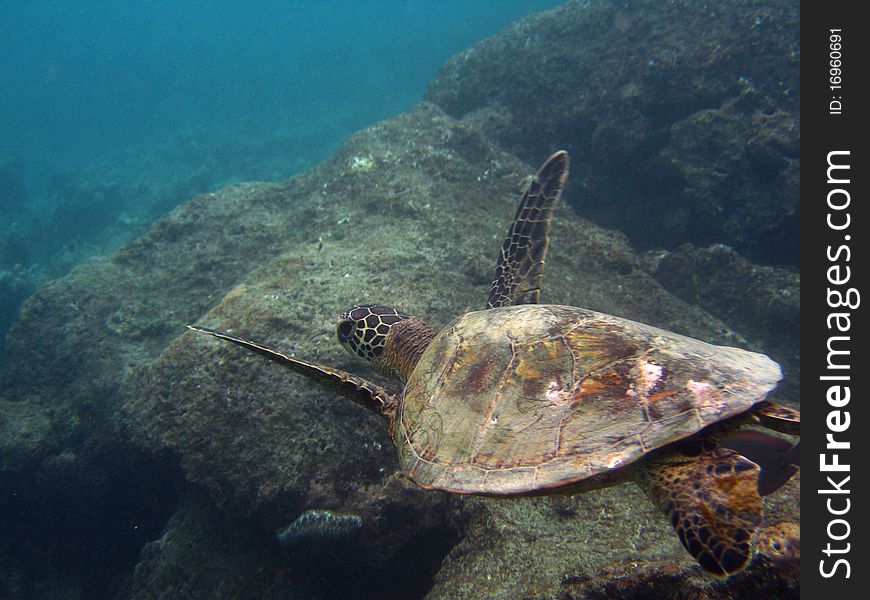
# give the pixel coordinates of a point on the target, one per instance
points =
(345, 331)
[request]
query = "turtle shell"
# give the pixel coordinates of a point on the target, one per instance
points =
(518, 399)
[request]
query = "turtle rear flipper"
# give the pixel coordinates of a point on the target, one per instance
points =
(712, 501)
(520, 265)
(777, 417)
(777, 458)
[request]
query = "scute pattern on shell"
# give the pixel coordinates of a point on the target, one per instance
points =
(522, 398)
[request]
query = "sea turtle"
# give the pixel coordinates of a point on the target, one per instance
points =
(525, 398)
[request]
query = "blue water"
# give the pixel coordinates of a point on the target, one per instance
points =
(113, 112)
(82, 79)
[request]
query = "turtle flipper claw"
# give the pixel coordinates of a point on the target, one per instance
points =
(712, 502)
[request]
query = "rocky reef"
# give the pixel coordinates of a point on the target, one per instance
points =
(683, 117)
(409, 211)
(201, 452)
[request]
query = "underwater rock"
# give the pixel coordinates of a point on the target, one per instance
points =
(682, 118)
(16, 284)
(208, 552)
(410, 212)
(606, 544)
(205, 553)
(320, 526)
(24, 429)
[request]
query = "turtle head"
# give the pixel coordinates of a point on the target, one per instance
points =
(369, 331)
(364, 328)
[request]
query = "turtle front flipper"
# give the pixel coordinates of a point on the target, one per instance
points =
(711, 497)
(520, 265)
(361, 391)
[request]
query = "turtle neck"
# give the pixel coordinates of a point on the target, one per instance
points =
(405, 344)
